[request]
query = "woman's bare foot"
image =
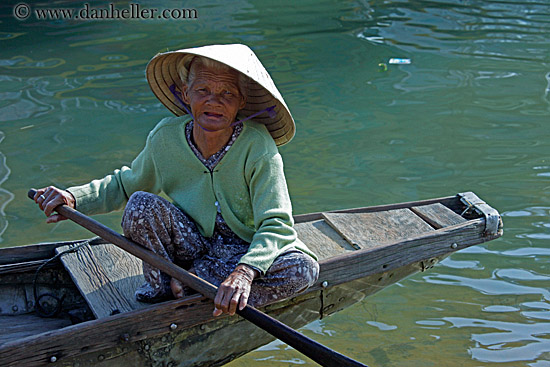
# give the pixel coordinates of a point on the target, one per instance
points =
(177, 288)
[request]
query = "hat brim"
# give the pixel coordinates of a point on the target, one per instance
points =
(162, 73)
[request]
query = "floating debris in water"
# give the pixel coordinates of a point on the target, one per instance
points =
(395, 60)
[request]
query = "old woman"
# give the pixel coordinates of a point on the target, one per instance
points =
(229, 217)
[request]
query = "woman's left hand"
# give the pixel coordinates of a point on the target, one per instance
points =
(234, 291)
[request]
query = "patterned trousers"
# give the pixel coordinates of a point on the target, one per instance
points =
(160, 226)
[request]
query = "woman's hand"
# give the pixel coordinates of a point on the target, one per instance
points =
(234, 291)
(49, 198)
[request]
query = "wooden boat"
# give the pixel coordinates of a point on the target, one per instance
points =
(98, 322)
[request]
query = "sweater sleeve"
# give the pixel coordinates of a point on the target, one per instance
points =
(113, 191)
(272, 210)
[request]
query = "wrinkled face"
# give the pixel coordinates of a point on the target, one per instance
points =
(214, 97)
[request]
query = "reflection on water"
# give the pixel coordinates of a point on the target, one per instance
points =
(5, 195)
(491, 286)
(469, 113)
(508, 342)
(450, 27)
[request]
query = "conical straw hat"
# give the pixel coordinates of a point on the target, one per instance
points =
(162, 73)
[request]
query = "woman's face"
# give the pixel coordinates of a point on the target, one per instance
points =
(214, 97)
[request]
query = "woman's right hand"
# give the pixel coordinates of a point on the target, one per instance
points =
(49, 198)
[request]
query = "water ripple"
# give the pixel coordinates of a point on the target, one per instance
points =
(510, 342)
(461, 264)
(520, 274)
(487, 286)
(478, 29)
(5, 195)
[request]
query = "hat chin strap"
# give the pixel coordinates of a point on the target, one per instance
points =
(270, 110)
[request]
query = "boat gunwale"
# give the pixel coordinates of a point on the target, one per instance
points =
(38, 251)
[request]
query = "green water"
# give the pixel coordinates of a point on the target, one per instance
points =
(470, 113)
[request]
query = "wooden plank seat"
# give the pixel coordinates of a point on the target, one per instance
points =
(438, 215)
(322, 239)
(106, 276)
(342, 232)
(368, 230)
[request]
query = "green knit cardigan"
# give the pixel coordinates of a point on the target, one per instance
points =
(248, 184)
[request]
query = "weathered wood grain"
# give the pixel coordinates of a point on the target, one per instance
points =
(17, 327)
(438, 215)
(13, 300)
(366, 230)
(106, 276)
(336, 298)
(23, 266)
(40, 251)
(98, 335)
(12, 255)
(120, 340)
(114, 340)
(17, 290)
(449, 201)
(105, 334)
(353, 265)
(322, 239)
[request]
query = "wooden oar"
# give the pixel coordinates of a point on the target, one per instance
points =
(314, 350)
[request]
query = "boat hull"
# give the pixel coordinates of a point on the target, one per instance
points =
(200, 340)
(359, 258)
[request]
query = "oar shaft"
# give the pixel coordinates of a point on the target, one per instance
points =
(314, 350)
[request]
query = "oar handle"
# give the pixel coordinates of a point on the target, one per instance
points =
(309, 347)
